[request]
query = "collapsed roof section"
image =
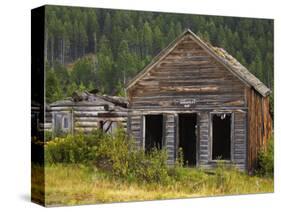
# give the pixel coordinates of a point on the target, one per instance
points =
(89, 99)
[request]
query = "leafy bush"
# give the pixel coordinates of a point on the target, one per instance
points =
(151, 167)
(118, 155)
(73, 148)
(48, 136)
(266, 160)
(115, 154)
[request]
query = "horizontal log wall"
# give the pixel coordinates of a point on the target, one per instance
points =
(86, 118)
(259, 126)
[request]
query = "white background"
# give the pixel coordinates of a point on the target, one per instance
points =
(15, 103)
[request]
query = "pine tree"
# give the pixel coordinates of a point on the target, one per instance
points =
(105, 66)
(171, 34)
(71, 88)
(53, 88)
(116, 35)
(147, 39)
(81, 87)
(178, 29)
(258, 67)
(84, 71)
(125, 62)
(92, 30)
(107, 25)
(158, 42)
(82, 40)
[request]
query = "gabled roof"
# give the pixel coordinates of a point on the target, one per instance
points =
(218, 54)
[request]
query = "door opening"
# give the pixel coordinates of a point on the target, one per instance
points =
(188, 137)
(153, 132)
(221, 136)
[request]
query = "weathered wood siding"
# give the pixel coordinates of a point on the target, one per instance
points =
(239, 144)
(86, 118)
(259, 125)
(170, 136)
(187, 72)
(135, 124)
(190, 74)
(204, 140)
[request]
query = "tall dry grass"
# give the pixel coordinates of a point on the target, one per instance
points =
(78, 184)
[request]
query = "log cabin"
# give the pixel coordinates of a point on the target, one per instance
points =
(198, 98)
(85, 112)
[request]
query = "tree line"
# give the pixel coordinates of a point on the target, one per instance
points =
(87, 48)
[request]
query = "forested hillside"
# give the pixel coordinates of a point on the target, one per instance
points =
(97, 48)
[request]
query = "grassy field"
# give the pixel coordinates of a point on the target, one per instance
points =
(79, 184)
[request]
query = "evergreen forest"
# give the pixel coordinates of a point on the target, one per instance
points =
(88, 48)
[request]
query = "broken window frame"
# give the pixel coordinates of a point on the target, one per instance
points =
(58, 123)
(110, 128)
(65, 118)
(231, 113)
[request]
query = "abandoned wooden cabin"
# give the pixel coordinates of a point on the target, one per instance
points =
(199, 98)
(85, 112)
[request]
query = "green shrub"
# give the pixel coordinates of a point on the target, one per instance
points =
(114, 154)
(73, 148)
(117, 154)
(48, 136)
(151, 167)
(266, 160)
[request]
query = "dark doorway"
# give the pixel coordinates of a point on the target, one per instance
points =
(153, 132)
(187, 137)
(221, 136)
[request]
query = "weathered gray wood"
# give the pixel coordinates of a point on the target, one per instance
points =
(191, 76)
(170, 136)
(240, 150)
(86, 124)
(203, 124)
(135, 129)
(87, 110)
